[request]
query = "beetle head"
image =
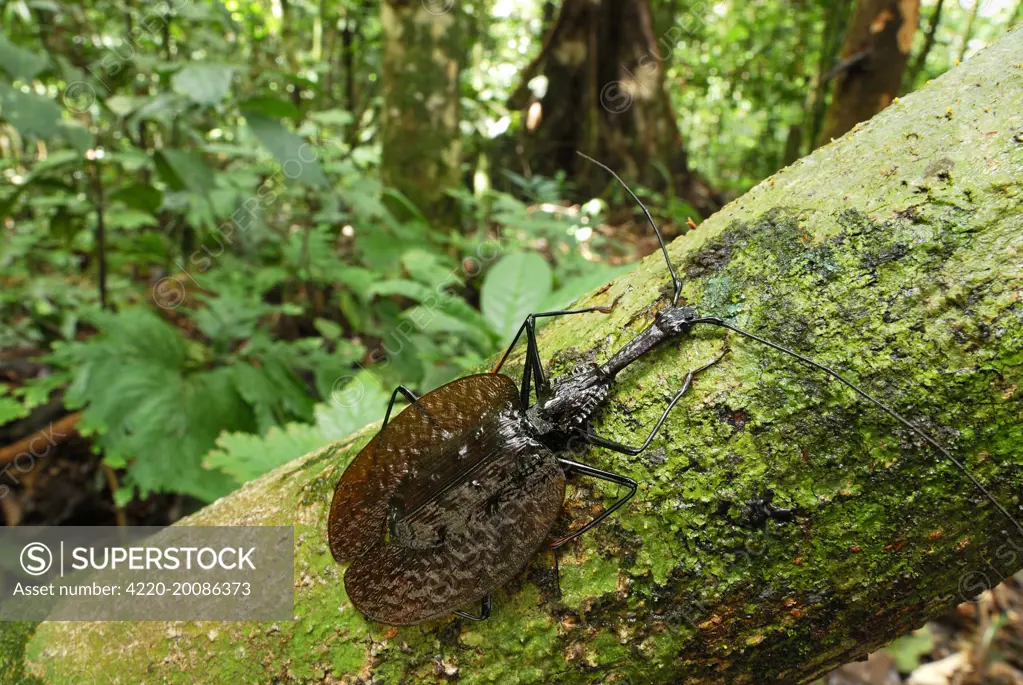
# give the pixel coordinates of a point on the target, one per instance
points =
(676, 320)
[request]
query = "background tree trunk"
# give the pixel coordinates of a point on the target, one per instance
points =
(921, 59)
(894, 255)
(421, 61)
(831, 43)
(604, 66)
(874, 59)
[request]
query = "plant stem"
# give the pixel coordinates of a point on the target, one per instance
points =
(101, 238)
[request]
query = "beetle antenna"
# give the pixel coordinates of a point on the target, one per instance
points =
(676, 281)
(877, 403)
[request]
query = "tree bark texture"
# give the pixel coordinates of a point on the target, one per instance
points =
(606, 95)
(422, 58)
(782, 526)
(874, 60)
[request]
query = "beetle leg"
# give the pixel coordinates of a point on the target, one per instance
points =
(533, 353)
(527, 374)
(409, 395)
(633, 451)
(484, 612)
(603, 309)
(570, 465)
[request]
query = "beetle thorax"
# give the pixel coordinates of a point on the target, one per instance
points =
(571, 400)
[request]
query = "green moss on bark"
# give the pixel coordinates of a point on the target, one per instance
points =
(869, 256)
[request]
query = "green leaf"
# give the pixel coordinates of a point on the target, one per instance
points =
(245, 456)
(431, 268)
(330, 330)
(76, 135)
(164, 108)
(513, 289)
(298, 159)
(358, 279)
(129, 218)
(182, 169)
(55, 160)
(19, 63)
(204, 84)
(332, 117)
(403, 288)
(909, 649)
(355, 403)
(123, 105)
(11, 410)
(144, 406)
(36, 391)
(273, 392)
(574, 288)
(451, 320)
(274, 108)
(65, 224)
(31, 114)
(140, 196)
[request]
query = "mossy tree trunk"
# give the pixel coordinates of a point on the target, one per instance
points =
(874, 59)
(424, 48)
(893, 254)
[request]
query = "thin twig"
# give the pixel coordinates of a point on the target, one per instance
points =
(114, 486)
(56, 433)
(101, 239)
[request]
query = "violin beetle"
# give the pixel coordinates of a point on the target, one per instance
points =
(455, 495)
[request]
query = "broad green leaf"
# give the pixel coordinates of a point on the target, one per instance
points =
(204, 84)
(330, 330)
(434, 321)
(274, 108)
(332, 117)
(146, 409)
(55, 160)
(164, 108)
(36, 178)
(139, 196)
(431, 268)
(245, 456)
(358, 279)
(298, 159)
(76, 135)
(379, 249)
(909, 649)
(129, 218)
(10, 408)
(36, 391)
(31, 114)
(355, 401)
(182, 169)
(402, 287)
(123, 105)
(65, 224)
(513, 289)
(574, 288)
(19, 63)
